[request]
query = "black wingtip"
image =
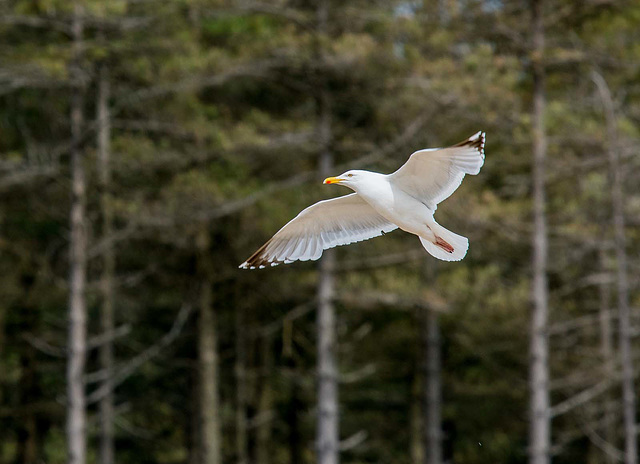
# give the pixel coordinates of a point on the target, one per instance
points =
(258, 260)
(476, 141)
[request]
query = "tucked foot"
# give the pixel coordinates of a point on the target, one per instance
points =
(442, 243)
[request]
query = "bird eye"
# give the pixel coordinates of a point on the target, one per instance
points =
(349, 175)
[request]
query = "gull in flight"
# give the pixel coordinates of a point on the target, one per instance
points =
(405, 199)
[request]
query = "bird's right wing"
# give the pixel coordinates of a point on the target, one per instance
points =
(433, 175)
(326, 224)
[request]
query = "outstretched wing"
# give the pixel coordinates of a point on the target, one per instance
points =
(324, 225)
(433, 175)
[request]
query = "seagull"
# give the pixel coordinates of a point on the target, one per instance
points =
(405, 199)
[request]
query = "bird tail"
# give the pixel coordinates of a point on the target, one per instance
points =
(446, 245)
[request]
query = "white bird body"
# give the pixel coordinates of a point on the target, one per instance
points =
(393, 203)
(406, 199)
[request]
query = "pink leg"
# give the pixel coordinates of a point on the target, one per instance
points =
(444, 244)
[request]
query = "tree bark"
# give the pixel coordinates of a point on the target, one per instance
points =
(431, 373)
(606, 350)
(417, 392)
(624, 326)
(433, 388)
(327, 432)
(540, 427)
(77, 341)
(263, 434)
(327, 427)
(241, 395)
(327, 421)
(210, 451)
(106, 406)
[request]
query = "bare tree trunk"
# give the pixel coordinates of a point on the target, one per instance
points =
(433, 388)
(77, 341)
(327, 426)
(106, 405)
(624, 327)
(241, 388)
(431, 371)
(327, 431)
(208, 358)
(606, 348)
(265, 401)
(417, 435)
(540, 427)
(327, 444)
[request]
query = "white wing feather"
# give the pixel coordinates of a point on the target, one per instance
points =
(433, 175)
(326, 224)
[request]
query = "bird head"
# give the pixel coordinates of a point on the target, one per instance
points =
(348, 179)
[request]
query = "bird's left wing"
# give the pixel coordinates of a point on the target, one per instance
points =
(326, 224)
(432, 175)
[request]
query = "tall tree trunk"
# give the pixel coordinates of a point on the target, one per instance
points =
(327, 426)
(327, 422)
(106, 405)
(433, 388)
(210, 452)
(263, 434)
(540, 427)
(431, 372)
(77, 341)
(241, 389)
(327, 431)
(624, 327)
(606, 349)
(416, 412)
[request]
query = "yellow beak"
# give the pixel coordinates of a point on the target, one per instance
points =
(332, 180)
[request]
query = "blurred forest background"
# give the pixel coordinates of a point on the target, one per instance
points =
(148, 147)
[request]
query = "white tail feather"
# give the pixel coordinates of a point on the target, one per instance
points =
(459, 243)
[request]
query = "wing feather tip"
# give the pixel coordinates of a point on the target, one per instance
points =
(476, 141)
(259, 264)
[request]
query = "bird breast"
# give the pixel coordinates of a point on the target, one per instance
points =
(397, 206)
